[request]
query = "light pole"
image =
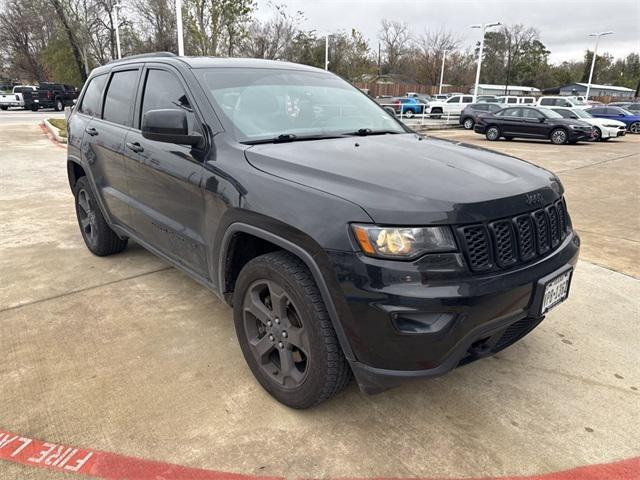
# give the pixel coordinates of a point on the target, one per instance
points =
(179, 27)
(484, 27)
(116, 7)
(326, 52)
(444, 54)
(593, 60)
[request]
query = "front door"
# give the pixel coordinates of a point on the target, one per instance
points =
(164, 178)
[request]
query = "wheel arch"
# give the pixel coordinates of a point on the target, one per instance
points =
(74, 172)
(279, 243)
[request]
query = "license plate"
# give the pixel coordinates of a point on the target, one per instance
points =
(556, 291)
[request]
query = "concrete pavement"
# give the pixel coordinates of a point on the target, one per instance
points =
(128, 355)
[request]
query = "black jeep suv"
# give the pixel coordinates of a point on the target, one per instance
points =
(345, 242)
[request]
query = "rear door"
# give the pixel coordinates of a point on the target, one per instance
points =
(164, 178)
(104, 138)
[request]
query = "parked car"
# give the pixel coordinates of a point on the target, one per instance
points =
(532, 122)
(630, 119)
(514, 100)
(440, 97)
(408, 107)
(603, 129)
(345, 242)
(633, 107)
(51, 95)
(451, 106)
(561, 101)
(470, 113)
(16, 97)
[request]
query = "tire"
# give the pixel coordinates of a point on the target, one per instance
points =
(634, 127)
(559, 136)
(492, 133)
(436, 113)
(597, 137)
(4, 107)
(316, 366)
(34, 108)
(59, 106)
(408, 114)
(97, 235)
(468, 123)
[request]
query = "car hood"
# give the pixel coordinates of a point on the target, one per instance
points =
(600, 122)
(405, 179)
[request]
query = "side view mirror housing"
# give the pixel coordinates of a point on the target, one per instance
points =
(574, 117)
(541, 119)
(169, 126)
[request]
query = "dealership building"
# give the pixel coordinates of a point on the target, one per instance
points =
(490, 89)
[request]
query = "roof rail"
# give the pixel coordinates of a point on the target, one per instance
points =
(144, 55)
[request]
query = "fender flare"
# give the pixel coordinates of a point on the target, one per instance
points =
(303, 255)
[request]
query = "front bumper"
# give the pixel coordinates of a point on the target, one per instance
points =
(475, 315)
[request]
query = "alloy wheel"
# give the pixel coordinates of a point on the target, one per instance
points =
(493, 133)
(468, 123)
(275, 333)
(559, 137)
(88, 222)
(634, 127)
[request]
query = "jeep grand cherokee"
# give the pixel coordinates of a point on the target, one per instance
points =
(346, 243)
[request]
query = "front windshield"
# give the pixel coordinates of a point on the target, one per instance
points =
(547, 112)
(260, 103)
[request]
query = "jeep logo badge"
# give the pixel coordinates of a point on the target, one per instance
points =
(534, 199)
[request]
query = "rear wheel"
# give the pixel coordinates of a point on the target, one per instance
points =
(436, 113)
(634, 127)
(285, 332)
(559, 136)
(597, 134)
(4, 107)
(408, 113)
(34, 108)
(59, 106)
(468, 123)
(97, 235)
(492, 133)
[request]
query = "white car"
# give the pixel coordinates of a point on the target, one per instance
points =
(560, 101)
(451, 106)
(510, 100)
(604, 128)
(14, 99)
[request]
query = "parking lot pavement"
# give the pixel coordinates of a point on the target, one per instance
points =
(602, 182)
(18, 117)
(126, 355)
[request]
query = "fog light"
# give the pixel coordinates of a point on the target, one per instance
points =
(422, 322)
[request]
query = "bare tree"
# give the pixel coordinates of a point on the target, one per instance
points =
(273, 38)
(396, 43)
(429, 50)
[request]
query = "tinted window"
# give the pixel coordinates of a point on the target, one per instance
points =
(163, 90)
(563, 112)
(467, 99)
(548, 101)
(119, 99)
(454, 100)
(512, 112)
(512, 100)
(481, 106)
(492, 107)
(528, 100)
(531, 113)
(597, 111)
(91, 101)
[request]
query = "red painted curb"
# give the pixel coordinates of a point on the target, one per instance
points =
(63, 458)
(50, 137)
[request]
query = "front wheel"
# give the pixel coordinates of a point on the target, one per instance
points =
(4, 107)
(492, 133)
(97, 235)
(559, 136)
(468, 123)
(634, 127)
(597, 134)
(285, 332)
(436, 113)
(34, 108)
(408, 113)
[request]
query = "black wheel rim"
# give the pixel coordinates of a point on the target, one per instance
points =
(87, 217)
(275, 333)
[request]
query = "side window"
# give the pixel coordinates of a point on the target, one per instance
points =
(91, 100)
(454, 100)
(597, 111)
(512, 100)
(563, 112)
(467, 99)
(612, 111)
(512, 112)
(120, 95)
(163, 90)
(548, 101)
(531, 113)
(528, 100)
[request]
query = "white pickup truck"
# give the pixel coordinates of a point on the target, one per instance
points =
(14, 99)
(451, 106)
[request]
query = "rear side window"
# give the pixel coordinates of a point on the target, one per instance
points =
(467, 99)
(454, 100)
(120, 96)
(512, 100)
(563, 112)
(91, 101)
(512, 112)
(548, 101)
(599, 111)
(163, 90)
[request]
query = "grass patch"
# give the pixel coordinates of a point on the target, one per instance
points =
(60, 124)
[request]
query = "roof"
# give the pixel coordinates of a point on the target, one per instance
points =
(509, 87)
(600, 87)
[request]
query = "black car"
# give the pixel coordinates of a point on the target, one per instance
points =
(50, 95)
(346, 243)
(532, 122)
(470, 113)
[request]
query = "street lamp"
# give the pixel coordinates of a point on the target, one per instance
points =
(179, 28)
(117, 7)
(444, 54)
(484, 27)
(326, 52)
(593, 60)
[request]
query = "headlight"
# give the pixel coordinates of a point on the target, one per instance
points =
(403, 242)
(610, 125)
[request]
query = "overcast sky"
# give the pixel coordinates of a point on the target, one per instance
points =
(563, 24)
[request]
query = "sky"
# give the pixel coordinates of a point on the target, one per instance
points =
(564, 25)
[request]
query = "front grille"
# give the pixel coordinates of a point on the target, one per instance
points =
(509, 241)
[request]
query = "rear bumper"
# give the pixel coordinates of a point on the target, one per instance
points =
(472, 316)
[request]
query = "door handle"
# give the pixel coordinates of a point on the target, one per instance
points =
(135, 146)
(91, 131)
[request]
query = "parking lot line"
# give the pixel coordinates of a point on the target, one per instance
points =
(68, 459)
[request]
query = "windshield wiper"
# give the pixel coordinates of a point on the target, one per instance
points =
(363, 132)
(289, 137)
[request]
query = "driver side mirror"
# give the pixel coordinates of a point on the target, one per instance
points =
(541, 119)
(169, 126)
